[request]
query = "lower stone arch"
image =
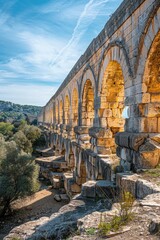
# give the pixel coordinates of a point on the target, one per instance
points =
(112, 105)
(74, 107)
(67, 110)
(88, 104)
(61, 112)
(151, 79)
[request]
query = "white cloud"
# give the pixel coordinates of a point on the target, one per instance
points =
(89, 13)
(44, 55)
(27, 94)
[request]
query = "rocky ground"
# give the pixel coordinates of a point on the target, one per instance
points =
(41, 204)
(79, 220)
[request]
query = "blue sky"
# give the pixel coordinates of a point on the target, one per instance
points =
(41, 40)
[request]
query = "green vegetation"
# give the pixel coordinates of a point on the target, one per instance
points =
(23, 143)
(18, 175)
(118, 221)
(154, 173)
(18, 171)
(90, 231)
(10, 112)
(6, 129)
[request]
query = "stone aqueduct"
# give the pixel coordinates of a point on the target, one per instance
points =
(106, 113)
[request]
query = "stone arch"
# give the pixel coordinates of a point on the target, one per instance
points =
(150, 100)
(87, 74)
(74, 107)
(67, 109)
(56, 111)
(61, 111)
(115, 51)
(150, 30)
(87, 93)
(111, 105)
(88, 103)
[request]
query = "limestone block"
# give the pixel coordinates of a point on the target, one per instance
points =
(113, 105)
(103, 122)
(136, 140)
(123, 154)
(141, 110)
(115, 122)
(99, 132)
(141, 88)
(125, 165)
(150, 153)
(90, 114)
(113, 149)
(84, 137)
(110, 142)
(75, 188)
(130, 100)
(126, 182)
(152, 110)
(89, 189)
(147, 124)
(104, 105)
(116, 113)
(121, 105)
(103, 150)
(81, 129)
(143, 98)
(155, 97)
(155, 137)
(122, 139)
(107, 113)
(144, 188)
(152, 124)
(105, 189)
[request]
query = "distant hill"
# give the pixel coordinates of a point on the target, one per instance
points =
(10, 112)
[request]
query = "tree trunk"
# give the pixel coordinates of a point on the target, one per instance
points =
(5, 208)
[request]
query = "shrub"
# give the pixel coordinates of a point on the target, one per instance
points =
(125, 215)
(22, 142)
(6, 129)
(18, 175)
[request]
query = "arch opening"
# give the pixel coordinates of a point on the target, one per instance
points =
(151, 78)
(88, 104)
(56, 113)
(112, 104)
(61, 112)
(75, 108)
(67, 110)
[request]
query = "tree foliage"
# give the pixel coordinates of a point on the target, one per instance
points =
(18, 175)
(22, 142)
(6, 129)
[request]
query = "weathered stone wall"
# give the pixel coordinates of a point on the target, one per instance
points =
(111, 97)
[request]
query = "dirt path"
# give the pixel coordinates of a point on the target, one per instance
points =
(38, 205)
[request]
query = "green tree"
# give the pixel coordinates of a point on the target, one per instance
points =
(18, 175)
(32, 132)
(22, 142)
(6, 129)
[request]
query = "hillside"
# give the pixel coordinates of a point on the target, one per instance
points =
(10, 112)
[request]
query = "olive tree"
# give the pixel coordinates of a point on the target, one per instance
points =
(18, 175)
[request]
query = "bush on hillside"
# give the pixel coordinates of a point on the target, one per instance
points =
(6, 129)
